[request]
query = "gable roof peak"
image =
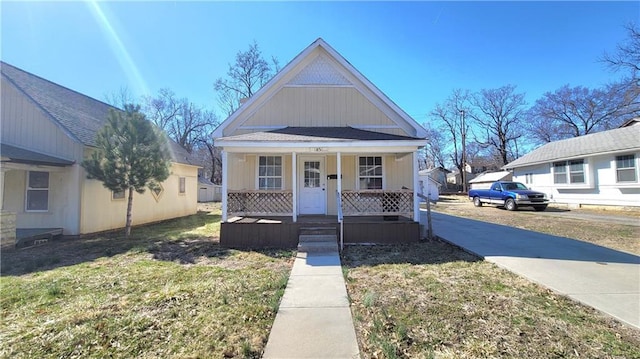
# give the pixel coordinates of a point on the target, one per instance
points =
(401, 116)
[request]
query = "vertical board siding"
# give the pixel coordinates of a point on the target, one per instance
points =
(318, 106)
(26, 125)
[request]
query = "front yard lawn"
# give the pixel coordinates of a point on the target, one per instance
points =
(169, 291)
(431, 300)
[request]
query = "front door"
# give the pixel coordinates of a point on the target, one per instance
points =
(312, 194)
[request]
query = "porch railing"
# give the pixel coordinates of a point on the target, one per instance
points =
(377, 202)
(248, 203)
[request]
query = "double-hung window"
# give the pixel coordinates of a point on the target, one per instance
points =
(270, 173)
(37, 191)
(559, 172)
(626, 168)
(569, 172)
(370, 172)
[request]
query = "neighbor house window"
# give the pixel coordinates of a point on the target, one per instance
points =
(370, 172)
(37, 191)
(182, 187)
(270, 173)
(528, 178)
(117, 195)
(569, 172)
(626, 168)
(559, 172)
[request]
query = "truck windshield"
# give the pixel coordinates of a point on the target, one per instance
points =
(514, 185)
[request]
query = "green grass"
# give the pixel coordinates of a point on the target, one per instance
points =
(169, 291)
(431, 300)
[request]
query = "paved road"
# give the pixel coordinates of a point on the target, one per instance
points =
(600, 277)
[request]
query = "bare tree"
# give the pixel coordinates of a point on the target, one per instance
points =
(246, 76)
(183, 121)
(577, 111)
(627, 54)
(120, 99)
(450, 118)
(499, 112)
(435, 150)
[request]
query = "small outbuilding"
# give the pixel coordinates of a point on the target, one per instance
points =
(485, 180)
(429, 186)
(208, 191)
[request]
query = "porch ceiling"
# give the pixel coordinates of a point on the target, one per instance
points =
(318, 137)
(12, 154)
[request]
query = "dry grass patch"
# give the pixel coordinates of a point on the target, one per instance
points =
(431, 300)
(169, 291)
(556, 220)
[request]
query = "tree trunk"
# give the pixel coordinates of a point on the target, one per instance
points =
(127, 232)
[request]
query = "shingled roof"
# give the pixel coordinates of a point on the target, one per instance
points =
(611, 141)
(78, 115)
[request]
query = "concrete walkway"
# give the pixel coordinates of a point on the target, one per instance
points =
(314, 319)
(605, 279)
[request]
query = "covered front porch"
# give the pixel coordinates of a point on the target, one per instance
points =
(277, 182)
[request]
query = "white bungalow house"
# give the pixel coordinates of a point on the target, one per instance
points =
(595, 169)
(318, 142)
(47, 130)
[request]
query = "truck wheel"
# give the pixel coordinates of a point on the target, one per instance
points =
(540, 208)
(510, 205)
(477, 202)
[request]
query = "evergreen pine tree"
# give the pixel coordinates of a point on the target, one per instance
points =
(131, 155)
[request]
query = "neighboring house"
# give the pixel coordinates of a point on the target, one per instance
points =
(595, 169)
(429, 188)
(485, 180)
(208, 191)
(438, 174)
(454, 179)
(47, 130)
(316, 135)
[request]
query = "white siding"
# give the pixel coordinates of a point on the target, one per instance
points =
(603, 188)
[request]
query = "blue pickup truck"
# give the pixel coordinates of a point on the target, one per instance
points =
(509, 195)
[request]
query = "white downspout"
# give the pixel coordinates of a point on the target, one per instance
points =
(339, 202)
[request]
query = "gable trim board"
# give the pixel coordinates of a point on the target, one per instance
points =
(297, 66)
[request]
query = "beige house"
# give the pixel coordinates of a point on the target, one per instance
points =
(47, 130)
(319, 143)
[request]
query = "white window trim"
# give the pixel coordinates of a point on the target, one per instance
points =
(357, 170)
(615, 167)
(27, 189)
(586, 170)
(282, 176)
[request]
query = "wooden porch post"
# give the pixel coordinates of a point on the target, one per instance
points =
(224, 185)
(416, 184)
(339, 172)
(294, 185)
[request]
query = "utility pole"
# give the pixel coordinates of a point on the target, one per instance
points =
(463, 174)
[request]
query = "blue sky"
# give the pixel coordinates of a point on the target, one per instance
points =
(415, 52)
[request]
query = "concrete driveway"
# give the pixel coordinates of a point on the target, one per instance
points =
(605, 279)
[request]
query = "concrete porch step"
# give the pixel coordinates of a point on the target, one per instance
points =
(318, 247)
(317, 230)
(317, 238)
